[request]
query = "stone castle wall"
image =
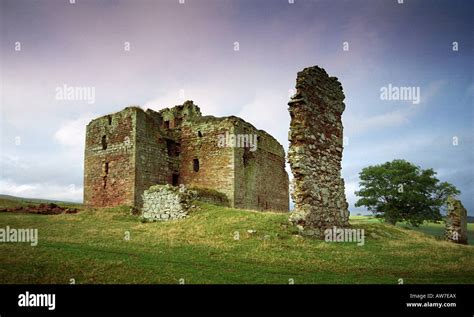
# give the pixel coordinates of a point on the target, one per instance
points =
(260, 176)
(152, 163)
(315, 153)
(109, 169)
(199, 141)
(180, 146)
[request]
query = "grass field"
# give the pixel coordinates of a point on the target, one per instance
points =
(434, 229)
(90, 247)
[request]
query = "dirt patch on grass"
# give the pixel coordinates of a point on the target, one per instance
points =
(41, 209)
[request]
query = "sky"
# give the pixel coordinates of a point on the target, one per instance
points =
(235, 58)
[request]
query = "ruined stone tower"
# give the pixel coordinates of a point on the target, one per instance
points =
(315, 153)
(129, 151)
(456, 222)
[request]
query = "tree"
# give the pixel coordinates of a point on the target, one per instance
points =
(401, 191)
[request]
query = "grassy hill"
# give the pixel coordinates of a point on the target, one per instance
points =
(90, 247)
(13, 201)
(434, 229)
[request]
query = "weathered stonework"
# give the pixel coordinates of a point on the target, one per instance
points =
(456, 222)
(166, 202)
(211, 196)
(315, 153)
(129, 151)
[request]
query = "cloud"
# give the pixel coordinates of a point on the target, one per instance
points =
(12, 161)
(470, 90)
(350, 188)
(42, 190)
(268, 111)
(357, 124)
(431, 90)
(59, 166)
(210, 101)
(72, 133)
(427, 149)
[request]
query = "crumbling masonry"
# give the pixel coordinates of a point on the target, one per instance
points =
(315, 153)
(129, 151)
(456, 222)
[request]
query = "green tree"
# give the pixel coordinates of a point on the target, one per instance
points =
(401, 191)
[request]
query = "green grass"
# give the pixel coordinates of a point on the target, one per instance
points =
(89, 247)
(7, 201)
(434, 229)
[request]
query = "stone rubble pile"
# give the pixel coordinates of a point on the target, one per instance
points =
(166, 202)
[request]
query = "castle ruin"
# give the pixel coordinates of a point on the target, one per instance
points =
(128, 151)
(456, 222)
(315, 153)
